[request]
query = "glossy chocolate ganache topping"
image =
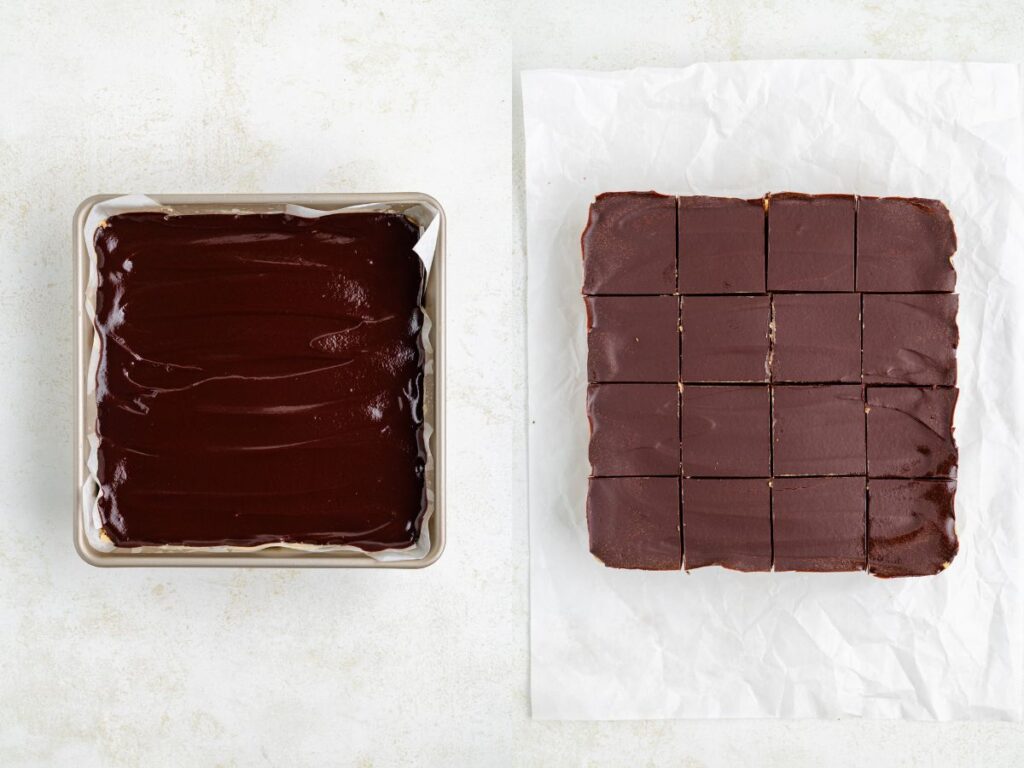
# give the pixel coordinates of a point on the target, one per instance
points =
(260, 380)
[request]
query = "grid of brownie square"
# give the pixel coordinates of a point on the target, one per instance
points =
(812, 341)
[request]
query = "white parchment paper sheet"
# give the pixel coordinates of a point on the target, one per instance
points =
(425, 248)
(618, 644)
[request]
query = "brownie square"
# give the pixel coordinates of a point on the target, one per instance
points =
(629, 245)
(633, 338)
(904, 245)
(634, 522)
(818, 523)
(810, 242)
(726, 431)
(817, 337)
(911, 530)
(634, 429)
(721, 245)
(727, 523)
(910, 338)
(910, 432)
(818, 430)
(725, 338)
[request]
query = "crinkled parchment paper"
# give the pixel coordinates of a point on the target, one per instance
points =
(713, 643)
(424, 248)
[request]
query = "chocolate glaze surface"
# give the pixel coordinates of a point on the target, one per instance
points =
(794, 311)
(910, 338)
(911, 530)
(910, 432)
(810, 242)
(633, 338)
(725, 338)
(817, 337)
(725, 431)
(818, 430)
(634, 522)
(727, 522)
(634, 429)
(819, 523)
(904, 245)
(721, 245)
(260, 380)
(629, 244)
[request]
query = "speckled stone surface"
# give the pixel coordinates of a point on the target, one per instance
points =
(248, 668)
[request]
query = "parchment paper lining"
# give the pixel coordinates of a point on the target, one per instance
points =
(425, 248)
(610, 644)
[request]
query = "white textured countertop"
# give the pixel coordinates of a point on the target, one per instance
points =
(246, 668)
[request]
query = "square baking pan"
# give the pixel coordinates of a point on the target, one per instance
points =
(418, 207)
